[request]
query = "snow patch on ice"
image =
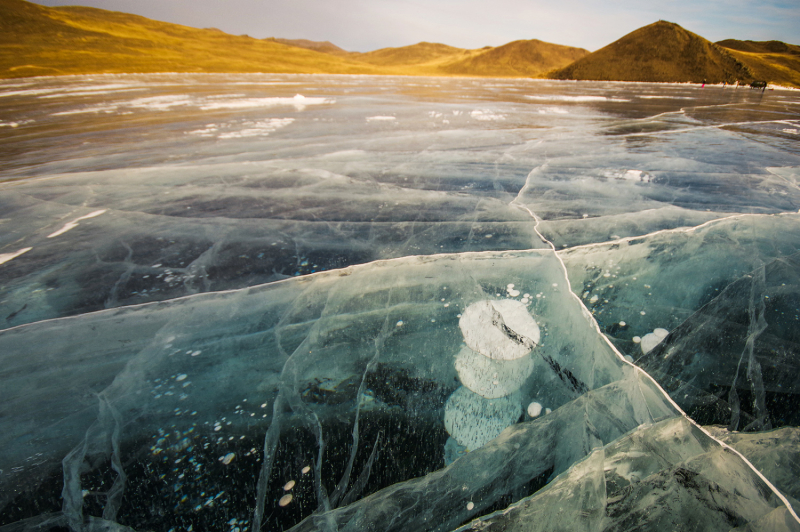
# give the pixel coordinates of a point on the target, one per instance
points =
(553, 110)
(299, 102)
(258, 129)
(381, 118)
(74, 223)
(5, 257)
(566, 98)
(486, 116)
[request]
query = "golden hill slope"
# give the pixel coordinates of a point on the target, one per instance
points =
(318, 46)
(530, 58)
(761, 47)
(423, 53)
(662, 51)
(773, 61)
(518, 58)
(37, 40)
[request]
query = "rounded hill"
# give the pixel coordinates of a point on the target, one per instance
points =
(660, 52)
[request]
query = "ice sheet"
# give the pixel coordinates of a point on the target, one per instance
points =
(225, 305)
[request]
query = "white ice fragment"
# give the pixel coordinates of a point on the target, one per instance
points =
(381, 118)
(289, 485)
(195, 353)
(5, 257)
(502, 330)
(305, 470)
(636, 339)
(593, 299)
(642, 313)
(547, 410)
(534, 409)
(399, 323)
(228, 458)
(492, 378)
(473, 420)
(181, 377)
(622, 324)
(470, 506)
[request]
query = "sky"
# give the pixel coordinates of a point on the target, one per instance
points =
(365, 25)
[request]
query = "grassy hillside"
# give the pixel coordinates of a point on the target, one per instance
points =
(318, 46)
(36, 40)
(761, 47)
(773, 61)
(662, 51)
(518, 58)
(420, 54)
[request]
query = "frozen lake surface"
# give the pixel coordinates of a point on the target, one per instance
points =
(356, 303)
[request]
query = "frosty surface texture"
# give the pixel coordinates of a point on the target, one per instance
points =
(277, 302)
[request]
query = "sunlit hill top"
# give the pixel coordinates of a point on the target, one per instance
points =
(37, 40)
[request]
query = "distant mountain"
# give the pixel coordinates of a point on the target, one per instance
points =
(663, 52)
(423, 53)
(761, 47)
(518, 58)
(773, 61)
(37, 40)
(318, 46)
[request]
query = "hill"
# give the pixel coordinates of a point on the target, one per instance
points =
(318, 46)
(773, 61)
(761, 47)
(530, 58)
(423, 53)
(661, 52)
(518, 58)
(37, 40)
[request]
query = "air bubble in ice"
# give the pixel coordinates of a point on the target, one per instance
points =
(285, 500)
